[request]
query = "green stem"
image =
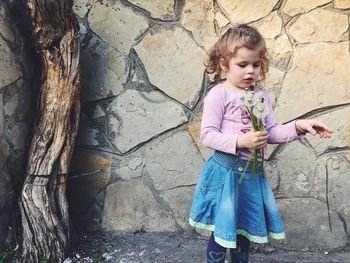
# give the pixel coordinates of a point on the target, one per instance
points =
(244, 171)
(327, 201)
(255, 161)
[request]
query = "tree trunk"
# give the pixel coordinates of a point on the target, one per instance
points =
(43, 203)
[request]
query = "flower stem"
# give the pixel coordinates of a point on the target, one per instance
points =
(327, 200)
(255, 161)
(244, 171)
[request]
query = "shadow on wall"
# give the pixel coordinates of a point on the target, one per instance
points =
(19, 76)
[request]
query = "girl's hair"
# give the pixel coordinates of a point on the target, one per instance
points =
(226, 47)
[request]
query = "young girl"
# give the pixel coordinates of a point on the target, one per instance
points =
(237, 210)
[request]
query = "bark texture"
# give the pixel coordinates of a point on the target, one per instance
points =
(43, 203)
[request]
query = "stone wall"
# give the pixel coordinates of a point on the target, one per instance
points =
(138, 154)
(143, 83)
(16, 116)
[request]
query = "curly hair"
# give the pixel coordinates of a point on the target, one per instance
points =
(226, 47)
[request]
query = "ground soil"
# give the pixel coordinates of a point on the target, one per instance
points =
(183, 248)
(176, 248)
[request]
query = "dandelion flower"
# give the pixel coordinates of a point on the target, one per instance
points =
(248, 99)
(257, 111)
(260, 110)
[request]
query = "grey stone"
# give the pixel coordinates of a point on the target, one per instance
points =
(5, 30)
(135, 163)
(341, 4)
(9, 68)
(83, 31)
(315, 66)
(295, 7)
(270, 26)
(4, 224)
(18, 136)
(173, 162)
(176, 56)
(292, 173)
(1, 114)
(130, 169)
(246, 11)
(135, 117)
(131, 206)
(4, 152)
(161, 9)
(338, 194)
(117, 24)
(81, 7)
(221, 19)
(306, 225)
(87, 135)
(270, 149)
(320, 25)
(10, 105)
(273, 82)
(90, 173)
(337, 120)
(5, 189)
(202, 29)
(98, 112)
(280, 50)
(194, 131)
(344, 213)
(103, 71)
(179, 200)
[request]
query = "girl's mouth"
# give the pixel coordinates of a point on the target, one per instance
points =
(248, 81)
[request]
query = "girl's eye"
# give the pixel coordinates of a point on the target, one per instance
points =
(256, 65)
(241, 65)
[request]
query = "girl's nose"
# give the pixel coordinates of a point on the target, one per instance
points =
(250, 69)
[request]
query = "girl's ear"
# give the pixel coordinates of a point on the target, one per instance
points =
(223, 65)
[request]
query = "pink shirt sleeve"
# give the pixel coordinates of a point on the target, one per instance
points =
(211, 135)
(279, 133)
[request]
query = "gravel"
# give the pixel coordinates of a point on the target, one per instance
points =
(144, 247)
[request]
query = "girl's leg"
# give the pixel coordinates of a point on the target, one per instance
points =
(215, 252)
(241, 253)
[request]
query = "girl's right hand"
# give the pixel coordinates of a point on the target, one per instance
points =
(252, 139)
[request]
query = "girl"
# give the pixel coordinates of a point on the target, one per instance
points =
(239, 211)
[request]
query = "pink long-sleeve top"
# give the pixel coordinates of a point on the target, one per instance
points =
(224, 119)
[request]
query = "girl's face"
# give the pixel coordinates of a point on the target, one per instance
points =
(243, 69)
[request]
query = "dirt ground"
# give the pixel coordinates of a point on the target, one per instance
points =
(180, 248)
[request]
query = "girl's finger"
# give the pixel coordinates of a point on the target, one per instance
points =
(323, 126)
(310, 130)
(263, 137)
(261, 144)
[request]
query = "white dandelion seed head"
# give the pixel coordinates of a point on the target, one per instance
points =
(248, 99)
(260, 110)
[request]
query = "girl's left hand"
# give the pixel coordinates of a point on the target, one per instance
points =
(314, 127)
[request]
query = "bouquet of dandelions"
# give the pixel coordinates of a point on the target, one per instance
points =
(257, 111)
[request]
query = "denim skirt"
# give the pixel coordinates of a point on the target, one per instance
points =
(230, 207)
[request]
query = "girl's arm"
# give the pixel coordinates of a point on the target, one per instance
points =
(280, 133)
(213, 112)
(293, 130)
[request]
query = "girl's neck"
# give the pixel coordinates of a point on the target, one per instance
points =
(234, 88)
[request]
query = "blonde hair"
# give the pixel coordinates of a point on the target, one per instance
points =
(227, 46)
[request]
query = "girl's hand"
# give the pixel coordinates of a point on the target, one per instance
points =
(313, 127)
(252, 139)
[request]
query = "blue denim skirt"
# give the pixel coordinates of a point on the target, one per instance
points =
(229, 207)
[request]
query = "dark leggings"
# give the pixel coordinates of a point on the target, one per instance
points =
(217, 253)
